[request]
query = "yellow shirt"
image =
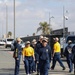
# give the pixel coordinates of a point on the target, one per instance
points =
(28, 51)
(56, 47)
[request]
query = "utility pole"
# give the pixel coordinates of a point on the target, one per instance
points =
(14, 19)
(64, 19)
(50, 17)
(6, 19)
(63, 22)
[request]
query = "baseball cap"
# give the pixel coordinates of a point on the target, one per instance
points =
(27, 42)
(18, 39)
(69, 41)
(41, 37)
(34, 40)
(44, 40)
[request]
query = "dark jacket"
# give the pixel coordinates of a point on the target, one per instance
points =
(45, 53)
(68, 51)
(37, 48)
(73, 52)
(18, 49)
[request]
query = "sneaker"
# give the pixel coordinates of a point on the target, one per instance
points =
(70, 71)
(63, 68)
(34, 71)
(52, 68)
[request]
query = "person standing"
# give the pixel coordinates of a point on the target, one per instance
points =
(17, 55)
(56, 54)
(37, 48)
(28, 57)
(68, 54)
(73, 52)
(44, 57)
(33, 45)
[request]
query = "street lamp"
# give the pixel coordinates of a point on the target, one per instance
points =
(50, 17)
(64, 19)
(6, 19)
(14, 19)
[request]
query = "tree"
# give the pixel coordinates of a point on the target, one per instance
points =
(9, 34)
(44, 27)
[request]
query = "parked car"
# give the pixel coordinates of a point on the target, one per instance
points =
(8, 42)
(13, 42)
(2, 42)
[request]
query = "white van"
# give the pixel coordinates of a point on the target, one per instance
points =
(70, 37)
(8, 42)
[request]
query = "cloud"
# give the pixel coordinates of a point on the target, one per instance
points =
(10, 3)
(30, 12)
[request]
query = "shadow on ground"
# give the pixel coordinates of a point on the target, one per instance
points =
(10, 71)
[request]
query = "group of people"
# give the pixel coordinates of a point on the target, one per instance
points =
(36, 56)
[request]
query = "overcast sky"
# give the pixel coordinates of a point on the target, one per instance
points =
(30, 12)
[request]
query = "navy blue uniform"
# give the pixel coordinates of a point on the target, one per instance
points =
(34, 62)
(44, 59)
(38, 46)
(73, 52)
(17, 58)
(68, 54)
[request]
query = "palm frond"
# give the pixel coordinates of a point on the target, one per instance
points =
(38, 29)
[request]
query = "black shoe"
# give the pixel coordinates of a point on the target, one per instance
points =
(37, 73)
(70, 71)
(52, 68)
(63, 68)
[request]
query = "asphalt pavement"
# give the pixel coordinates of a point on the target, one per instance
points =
(7, 65)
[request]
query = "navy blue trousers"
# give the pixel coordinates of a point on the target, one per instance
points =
(55, 59)
(17, 65)
(33, 66)
(74, 69)
(69, 62)
(44, 66)
(28, 64)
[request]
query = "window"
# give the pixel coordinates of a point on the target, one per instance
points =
(72, 38)
(10, 39)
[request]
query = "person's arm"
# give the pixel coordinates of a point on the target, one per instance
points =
(23, 55)
(37, 53)
(33, 54)
(50, 53)
(65, 52)
(54, 47)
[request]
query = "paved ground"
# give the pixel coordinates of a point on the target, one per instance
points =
(7, 65)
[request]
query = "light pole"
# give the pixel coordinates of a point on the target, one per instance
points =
(6, 19)
(64, 19)
(2, 29)
(50, 17)
(14, 19)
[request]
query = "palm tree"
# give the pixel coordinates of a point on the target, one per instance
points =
(44, 27)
